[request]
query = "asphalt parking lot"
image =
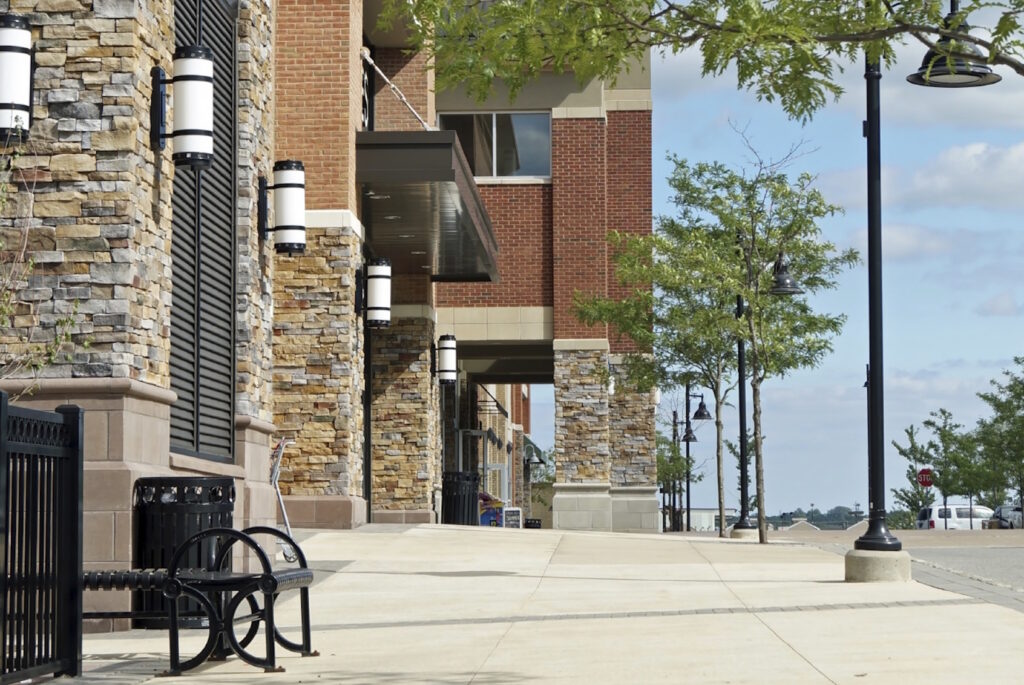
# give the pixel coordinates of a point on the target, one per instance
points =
(985, 564)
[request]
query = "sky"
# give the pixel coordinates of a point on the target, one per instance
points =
(953, 252)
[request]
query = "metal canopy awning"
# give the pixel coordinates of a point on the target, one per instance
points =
(420, 207)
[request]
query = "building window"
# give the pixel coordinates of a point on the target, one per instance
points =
(203, 256)
(503, 143)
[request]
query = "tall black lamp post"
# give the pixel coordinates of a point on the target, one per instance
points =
(937, 70)
(782, 284)
(702, 414)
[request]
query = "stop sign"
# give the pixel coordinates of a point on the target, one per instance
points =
(924, 478)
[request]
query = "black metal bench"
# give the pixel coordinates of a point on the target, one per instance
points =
(220, 592)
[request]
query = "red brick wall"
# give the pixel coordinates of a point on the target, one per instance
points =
(411, 75)
(411, 289)
(319, 78)
(579, 223)
(629, 197)
(521, 216)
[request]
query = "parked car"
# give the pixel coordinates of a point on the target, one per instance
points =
(953, 517)
(1007, 516)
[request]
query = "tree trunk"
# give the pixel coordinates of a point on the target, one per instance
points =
(755, 396)
(720, 459)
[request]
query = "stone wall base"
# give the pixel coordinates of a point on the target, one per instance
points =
(404, 516)
(581, 506)
(325, 511)
(635, 509)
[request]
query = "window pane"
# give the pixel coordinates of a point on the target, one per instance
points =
(474, 132)
(524, 144)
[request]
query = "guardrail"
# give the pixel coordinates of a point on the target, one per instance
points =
(41, 535)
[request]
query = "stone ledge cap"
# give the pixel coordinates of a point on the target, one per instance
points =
(634, 489)
(243, 422)
(582, 488)
(81, 388)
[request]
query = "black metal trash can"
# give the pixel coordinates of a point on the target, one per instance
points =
(460, 498)
(167, 511)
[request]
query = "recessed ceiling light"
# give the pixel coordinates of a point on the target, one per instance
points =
(406, 235)
(392, 217)
(424, 266)
(418, 252)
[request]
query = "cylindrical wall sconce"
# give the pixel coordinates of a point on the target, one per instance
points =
(378, 293)
(289, 207)
(447, 369)
(193, 106)
(15, 79)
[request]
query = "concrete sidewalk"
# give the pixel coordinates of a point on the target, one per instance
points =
(448, 604)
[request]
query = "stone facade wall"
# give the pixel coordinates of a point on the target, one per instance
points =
(582, 454)
(96, 208)
(631, 430)
(406, 435)
(255, 264)
(318, 374)
(96, 200)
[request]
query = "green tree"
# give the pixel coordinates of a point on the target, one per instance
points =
(790, 51)
(680, 321)
(772, 218)
(901, 519)
(1001, 436)
(731, 231)
(950, 453)
(917, 496)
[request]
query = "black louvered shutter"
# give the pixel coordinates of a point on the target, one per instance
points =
(203, 252)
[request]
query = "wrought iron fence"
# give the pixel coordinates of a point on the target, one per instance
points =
(41, 533)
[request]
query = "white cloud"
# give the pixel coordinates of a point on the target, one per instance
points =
(904, 242)
(977, 175)
(972, 175)
(1001, 304)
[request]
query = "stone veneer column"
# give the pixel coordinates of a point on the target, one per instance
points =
(318, 380)
(405, 426)
(582, 456)
(634, 472)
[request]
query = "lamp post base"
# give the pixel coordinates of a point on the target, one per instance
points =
(744, 534)
(868, 566)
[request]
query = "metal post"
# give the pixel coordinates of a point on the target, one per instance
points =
(741, 366)
(877, 537)
(687, 432)
(672, 458)
(367, 397)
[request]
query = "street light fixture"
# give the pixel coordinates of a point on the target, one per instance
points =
(951, 64)
(937, 70)
(702, 414)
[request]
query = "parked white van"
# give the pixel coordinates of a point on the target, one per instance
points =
(953, 517)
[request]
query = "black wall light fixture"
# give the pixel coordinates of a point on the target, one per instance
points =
(289, 207)
(447, 360)
(377, 304)
(17, 66)
(193, 107)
